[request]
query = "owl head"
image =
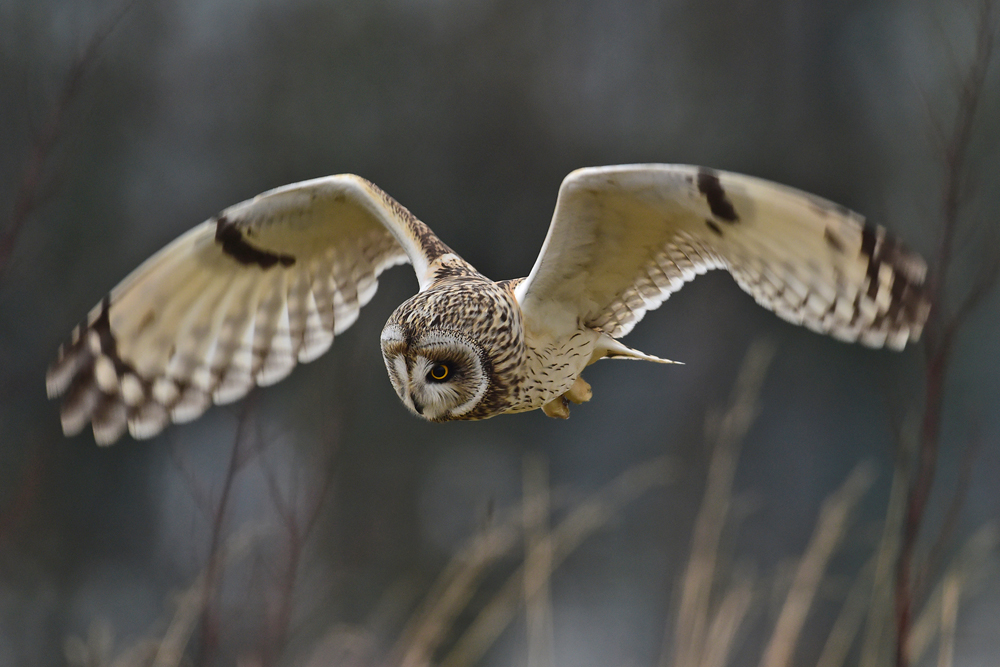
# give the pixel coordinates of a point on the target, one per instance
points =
(439, 374)
(452, 350)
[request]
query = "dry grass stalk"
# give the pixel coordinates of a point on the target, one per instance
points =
(451, 592)
(589, 516)
(833, 521)
(190, 603)
(850, 618)
(342, 646)
(875, 647)
(949, 617)
(537, 561)
(727, 622)
(693, 616)
(166, 650)
(966, 568)
(93, 651)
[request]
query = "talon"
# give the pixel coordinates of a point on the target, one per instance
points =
(557, 408)
(580, 392)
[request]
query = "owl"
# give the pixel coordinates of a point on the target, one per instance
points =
(270, 282)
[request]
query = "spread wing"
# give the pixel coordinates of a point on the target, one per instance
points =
(623, 238)
(235, 302)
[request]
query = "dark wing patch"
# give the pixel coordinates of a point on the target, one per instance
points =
(229, 236)
(868, 240)
(718, 203)
(832, 240)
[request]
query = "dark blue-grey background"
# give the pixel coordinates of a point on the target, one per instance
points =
(469, 113)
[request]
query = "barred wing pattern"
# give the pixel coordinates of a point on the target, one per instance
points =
(235, 302)
(624, 238)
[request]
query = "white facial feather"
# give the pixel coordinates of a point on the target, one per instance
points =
(410, 371)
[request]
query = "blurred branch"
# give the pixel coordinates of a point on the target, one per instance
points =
(198, 495)
(955, 151)
(191, 603)
(984, 284)
(28, 197)
(240, 454)
(727, 622)
(32, 191)
(941, 339)
(27, 490)
(298, 515)
(951, 516)
(298, 525)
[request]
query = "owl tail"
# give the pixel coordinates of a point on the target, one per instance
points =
(614, 349)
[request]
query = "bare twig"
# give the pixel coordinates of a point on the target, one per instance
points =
(239, 455)
(198, 495)
(985, 283)
(726, 623)
(969, 94)
(165, 646)
(27, 490)
(950, 522)
(941, 339)
(453, 590)
(191, 603)
(27, 199)
(298, 518)
(31, 191)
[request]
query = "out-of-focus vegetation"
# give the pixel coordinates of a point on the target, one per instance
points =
(839, 508)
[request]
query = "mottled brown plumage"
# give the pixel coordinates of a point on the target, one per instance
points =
(463, 303)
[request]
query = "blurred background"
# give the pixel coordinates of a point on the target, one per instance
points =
(317, 522)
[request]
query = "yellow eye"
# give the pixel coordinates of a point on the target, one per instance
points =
(438, 372)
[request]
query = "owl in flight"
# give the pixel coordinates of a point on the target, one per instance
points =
(240, 299)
